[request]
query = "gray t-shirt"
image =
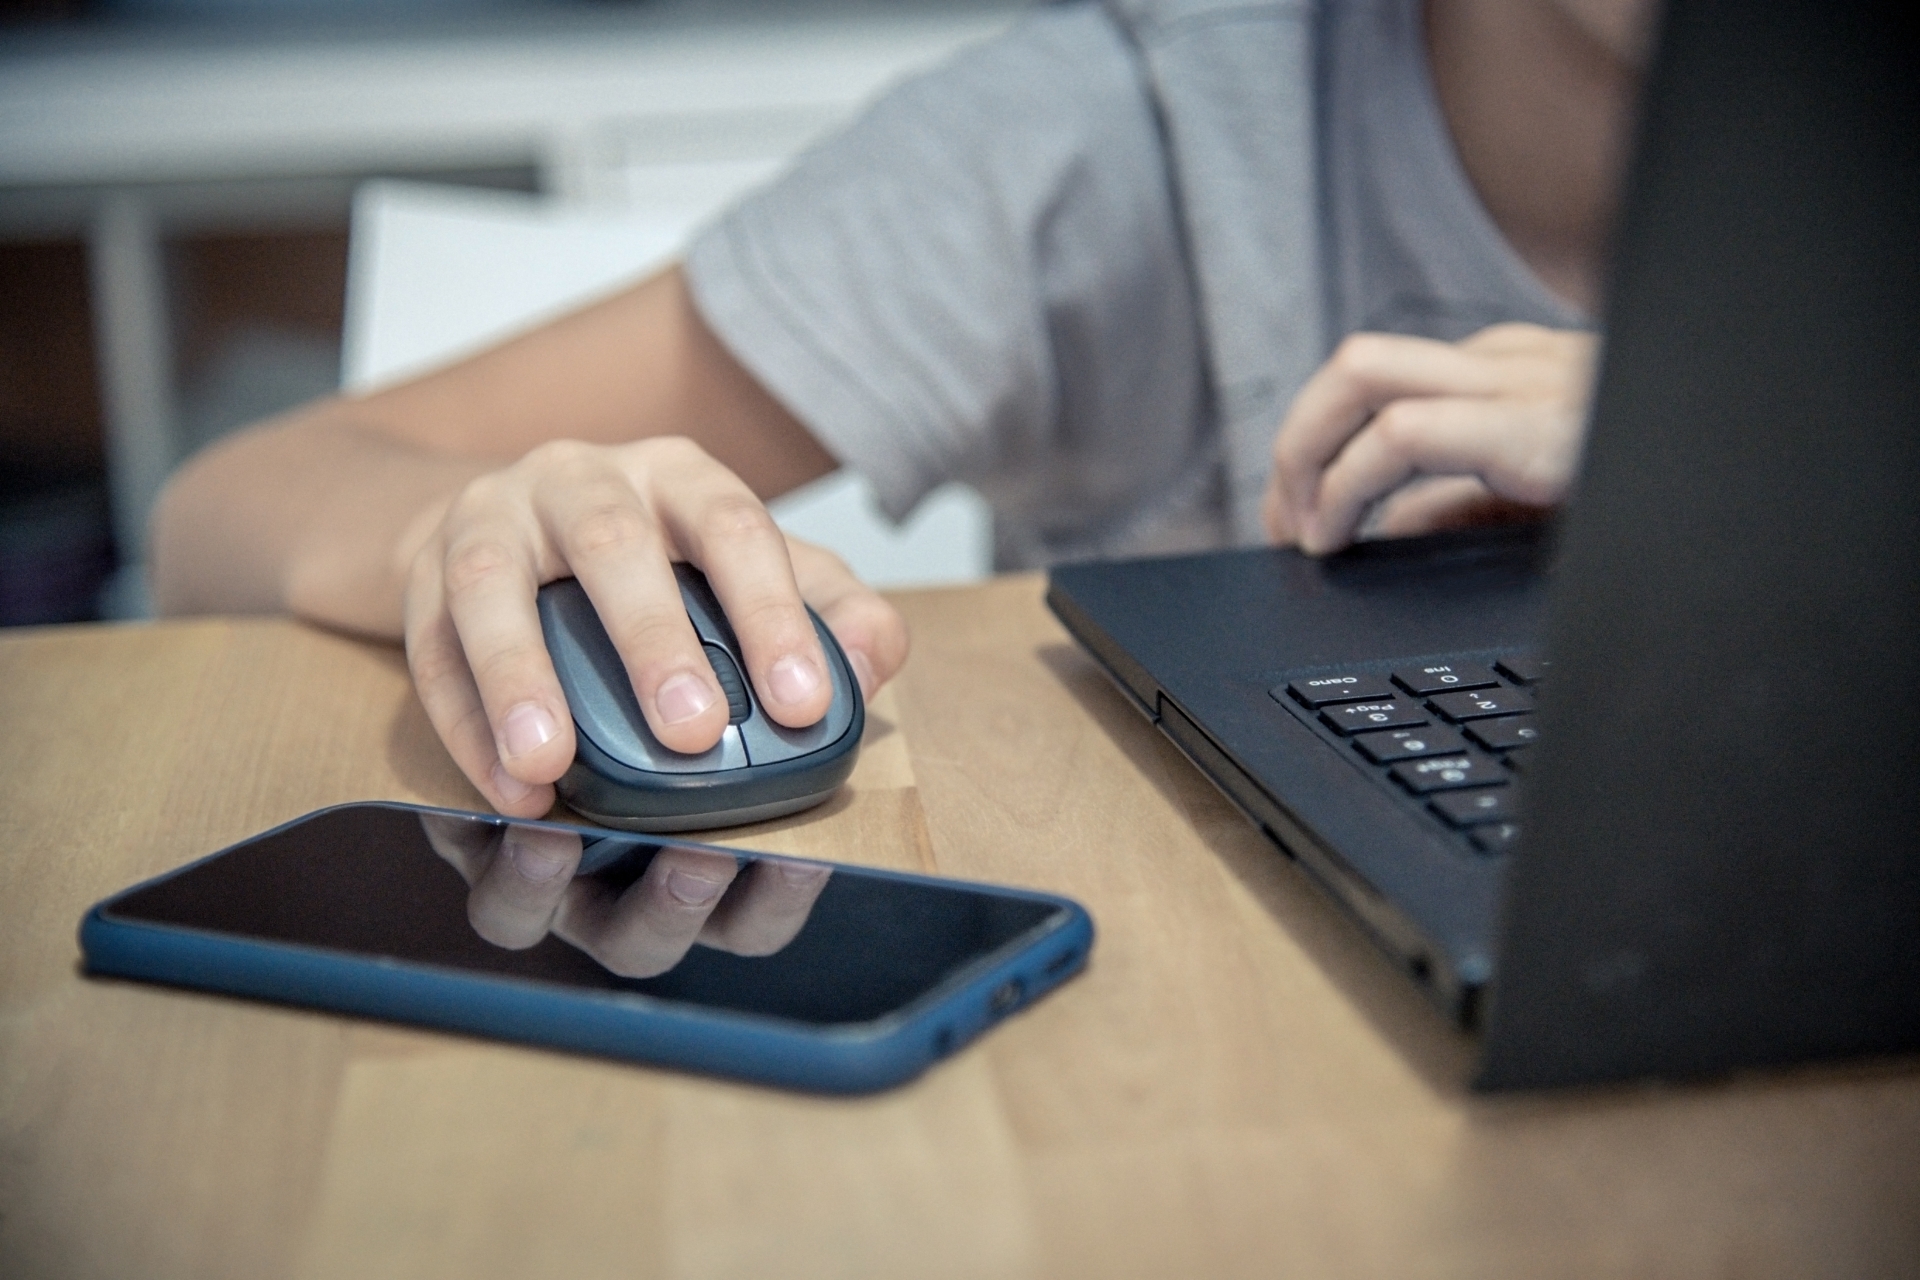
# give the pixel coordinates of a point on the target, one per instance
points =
(988, 278)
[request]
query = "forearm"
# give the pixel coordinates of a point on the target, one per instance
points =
(314, 513)
(318, 512)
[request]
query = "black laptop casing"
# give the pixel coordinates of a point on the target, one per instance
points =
(1203, 640)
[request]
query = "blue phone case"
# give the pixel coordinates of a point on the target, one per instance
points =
(858, 1058)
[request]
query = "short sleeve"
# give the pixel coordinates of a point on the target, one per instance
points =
(982, 279)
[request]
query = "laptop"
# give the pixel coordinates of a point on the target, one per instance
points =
(1636, 795)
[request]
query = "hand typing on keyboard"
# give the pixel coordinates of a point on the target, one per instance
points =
(1399, 435)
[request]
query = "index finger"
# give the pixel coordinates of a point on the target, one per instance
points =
(616, 549)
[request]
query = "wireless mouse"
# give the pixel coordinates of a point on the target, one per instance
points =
(622, 776)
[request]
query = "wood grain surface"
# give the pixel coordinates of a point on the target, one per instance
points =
(1238, 1086)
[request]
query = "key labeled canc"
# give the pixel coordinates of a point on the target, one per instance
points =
(1320, 691)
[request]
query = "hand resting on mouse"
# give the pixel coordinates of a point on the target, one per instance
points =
(604, 445)
(615, 517)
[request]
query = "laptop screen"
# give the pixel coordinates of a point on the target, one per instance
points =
(1720, 865)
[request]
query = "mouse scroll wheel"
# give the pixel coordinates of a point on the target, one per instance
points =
(728, 674)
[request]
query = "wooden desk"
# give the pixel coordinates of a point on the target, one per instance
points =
(1238, 1086)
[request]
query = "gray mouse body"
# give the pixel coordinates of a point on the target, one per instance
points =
(622, 776)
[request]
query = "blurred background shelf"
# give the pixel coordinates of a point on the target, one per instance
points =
(176, 180)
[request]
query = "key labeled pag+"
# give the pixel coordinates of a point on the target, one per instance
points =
(1358, 717)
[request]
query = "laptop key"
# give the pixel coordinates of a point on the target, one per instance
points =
(1520, 759)
(1494, 837)
(1523, 668)
(1409, 744)
(1324, 690)
(1471, 808)
(1505, 733)
(1358, 717)
(1480, 704)
(1444, 773)
(1442, 676)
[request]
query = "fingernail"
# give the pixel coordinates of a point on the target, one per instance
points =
(535, 865)
(682, 698)
(793, 679)
(802, 875)
(692, 890)
(511, 789)
(526, 729)
(862, 671)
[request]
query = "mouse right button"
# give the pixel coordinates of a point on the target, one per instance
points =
(767, 742)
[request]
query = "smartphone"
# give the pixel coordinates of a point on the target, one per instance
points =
(780, 970)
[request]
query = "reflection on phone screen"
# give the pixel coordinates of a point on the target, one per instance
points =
(751, 933)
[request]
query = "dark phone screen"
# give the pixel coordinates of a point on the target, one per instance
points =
(749, 933)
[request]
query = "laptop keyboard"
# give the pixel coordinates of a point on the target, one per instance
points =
(1450, 737)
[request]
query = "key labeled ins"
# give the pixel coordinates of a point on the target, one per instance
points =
(1440, 677)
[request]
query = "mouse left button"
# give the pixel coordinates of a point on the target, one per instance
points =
(703, 608)
(600, 693)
